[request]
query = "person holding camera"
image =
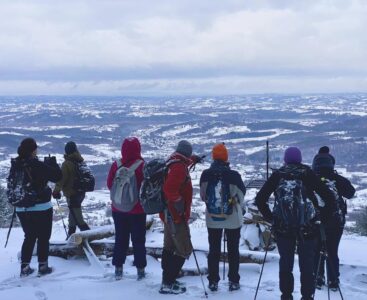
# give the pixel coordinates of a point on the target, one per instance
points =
(36, 220)
(66, 185)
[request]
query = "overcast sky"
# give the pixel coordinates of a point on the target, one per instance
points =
(148, 47)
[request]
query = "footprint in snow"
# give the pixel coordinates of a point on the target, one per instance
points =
(41, 295)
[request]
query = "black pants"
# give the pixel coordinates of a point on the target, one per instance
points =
(333, 237)
(233, 241)
(37, 226)
(306, 256)
(171, 266)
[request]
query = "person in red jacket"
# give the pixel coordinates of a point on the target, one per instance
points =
(178, 194)
(133, 222)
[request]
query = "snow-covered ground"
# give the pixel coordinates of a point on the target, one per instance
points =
(76, 279)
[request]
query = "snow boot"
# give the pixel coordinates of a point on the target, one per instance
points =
(44, 269)
(320, 281)
(118, 273)
(334, 285)
(141, 273)
(25, 270)
(234, 286)
(173, 289)
(213, 286)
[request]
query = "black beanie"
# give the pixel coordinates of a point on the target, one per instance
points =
(323, 163)
(324, 149)
(70, 148)
(26, 147)
(185, 148)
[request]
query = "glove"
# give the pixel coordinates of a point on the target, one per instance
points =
(56, 195)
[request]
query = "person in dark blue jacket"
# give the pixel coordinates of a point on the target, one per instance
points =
(332, 220)
(36, 220)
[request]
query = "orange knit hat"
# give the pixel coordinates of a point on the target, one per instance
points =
(220, 152)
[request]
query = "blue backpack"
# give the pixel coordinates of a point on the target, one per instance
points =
(219, 201)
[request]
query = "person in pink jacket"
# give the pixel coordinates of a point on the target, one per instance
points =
(133, 222)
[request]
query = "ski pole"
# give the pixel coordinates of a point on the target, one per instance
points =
(262, 268)
(201, 275)
(10, 227)
(224, 254)
(62, 218)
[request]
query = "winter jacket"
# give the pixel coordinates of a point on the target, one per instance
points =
(345, 189)
(130, 153)
(237, 191)
(69, 174)
(311, 183)
(177, 189)
(41, 174)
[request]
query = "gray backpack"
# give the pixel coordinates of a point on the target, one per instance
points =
(124, 193)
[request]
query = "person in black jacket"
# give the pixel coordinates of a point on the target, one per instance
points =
(36, 220)
(287, 235)
(333, 221)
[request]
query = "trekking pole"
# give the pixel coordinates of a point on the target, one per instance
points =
(10, 227)
(328, 264)
(224, 254)
(201, 275)
(262, 268)
(267, 159)
(62, 218)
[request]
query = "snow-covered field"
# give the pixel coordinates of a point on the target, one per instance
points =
(76, 279)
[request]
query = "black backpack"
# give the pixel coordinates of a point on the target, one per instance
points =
(151, 191)
(84, 180)
(293, 211)
(20, 188)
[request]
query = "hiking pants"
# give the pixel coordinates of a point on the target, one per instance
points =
(333, 237)
(75, 212)
(306, 256)
(127, 225)
(37, 227)
(177, 248)
(215, 242)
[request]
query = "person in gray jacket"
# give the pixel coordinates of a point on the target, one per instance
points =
(223, 191)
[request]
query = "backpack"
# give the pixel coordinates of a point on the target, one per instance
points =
(219, 202)
(84, 180)
(124, 192)
(151, 192)
(20, 191)
(292, 211)
(341, 204)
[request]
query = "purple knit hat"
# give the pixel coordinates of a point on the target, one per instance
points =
(292, 156)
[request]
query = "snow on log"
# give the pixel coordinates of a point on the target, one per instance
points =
(99, 233)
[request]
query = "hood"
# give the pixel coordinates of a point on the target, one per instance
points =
(74, 157)
(130, 150)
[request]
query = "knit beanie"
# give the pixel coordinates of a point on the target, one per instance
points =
(184, 148)
(220, 152)
(326, 150)
(26, 147)
(70, 148)
(292, 156)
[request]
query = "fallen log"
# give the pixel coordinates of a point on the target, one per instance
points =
(104, 249)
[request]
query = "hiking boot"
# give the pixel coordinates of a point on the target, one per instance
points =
(173, 289)
(213, 286)
(84, 227)
(334, 285)
(233, 286)
(179, 283)
(25, 270)
(320, 281)
(118, 273)
(141, 273)
(44, 269)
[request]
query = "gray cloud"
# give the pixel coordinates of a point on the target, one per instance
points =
(63, 43)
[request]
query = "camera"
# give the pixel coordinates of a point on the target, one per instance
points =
(50, 160)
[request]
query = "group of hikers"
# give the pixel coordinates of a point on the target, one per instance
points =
(308, 206)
